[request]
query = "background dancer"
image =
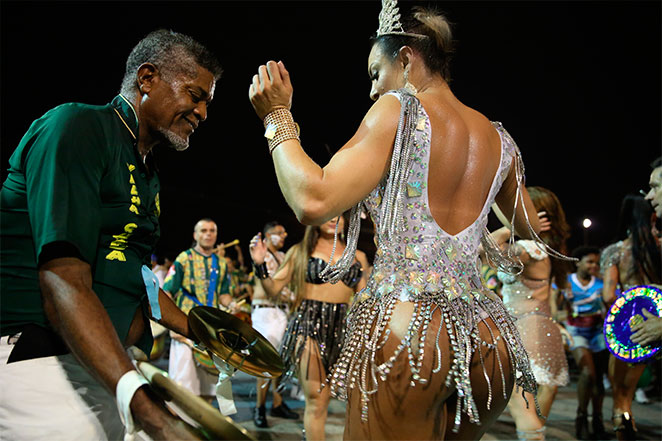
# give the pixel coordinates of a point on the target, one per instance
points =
(315, 332)
(633, 260)
(269, 316)
(198, 277)
(529, 298)
(429, 214)
(80, 219)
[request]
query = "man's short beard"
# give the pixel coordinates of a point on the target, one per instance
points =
(173, 140)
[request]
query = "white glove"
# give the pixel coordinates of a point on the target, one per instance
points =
(224, 386)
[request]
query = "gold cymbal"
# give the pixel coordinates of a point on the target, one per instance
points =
(235, 341)
(214, 425)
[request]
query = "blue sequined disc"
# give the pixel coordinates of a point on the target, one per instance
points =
(626, 311)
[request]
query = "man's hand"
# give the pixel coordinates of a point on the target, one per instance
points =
(220, 251)
(258, 249)
(154, 418)
(650, 331)
(271, 89)
(566, 336)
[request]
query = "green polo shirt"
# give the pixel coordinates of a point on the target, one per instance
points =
(77, 177)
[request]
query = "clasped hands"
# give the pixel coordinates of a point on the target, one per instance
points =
(271, 89)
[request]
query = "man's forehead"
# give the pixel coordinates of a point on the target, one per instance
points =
(656, 175)
(203, 80)
(205, 225)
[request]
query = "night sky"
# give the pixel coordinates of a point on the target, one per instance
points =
(577, 84)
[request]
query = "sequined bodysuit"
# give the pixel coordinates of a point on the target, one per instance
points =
(528, 301)
(417, 261)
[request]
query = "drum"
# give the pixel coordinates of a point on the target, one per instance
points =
(159, 347)
(203, 359)
(244, 317)
(626, 312)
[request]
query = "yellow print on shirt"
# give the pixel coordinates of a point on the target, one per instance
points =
(120, 243)
(135, 199)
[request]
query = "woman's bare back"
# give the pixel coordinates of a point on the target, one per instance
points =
(464, 158)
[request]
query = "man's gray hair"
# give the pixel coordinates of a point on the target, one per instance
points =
(173, 54)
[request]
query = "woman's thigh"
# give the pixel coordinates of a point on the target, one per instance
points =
(492, 382)
(311, 372)
(398, 410)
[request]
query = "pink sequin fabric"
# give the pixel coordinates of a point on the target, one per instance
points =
(528, 301)
(437, 271)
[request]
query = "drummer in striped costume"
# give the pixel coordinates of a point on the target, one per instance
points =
(198, 277)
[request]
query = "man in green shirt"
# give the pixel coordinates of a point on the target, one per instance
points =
(79, 220)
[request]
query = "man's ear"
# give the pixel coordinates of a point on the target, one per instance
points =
(146, 77)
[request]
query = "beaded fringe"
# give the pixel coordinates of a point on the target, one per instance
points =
(322, 322)
(357, 367)
(393, 201)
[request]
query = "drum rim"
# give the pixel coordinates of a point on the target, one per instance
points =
(616, 308)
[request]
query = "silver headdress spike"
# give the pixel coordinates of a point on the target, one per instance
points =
(389, 20)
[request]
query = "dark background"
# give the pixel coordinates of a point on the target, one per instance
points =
(577, 84)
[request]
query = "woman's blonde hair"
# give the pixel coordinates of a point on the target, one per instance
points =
(298, 255)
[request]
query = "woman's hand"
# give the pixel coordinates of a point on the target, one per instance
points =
(271, 89)
(545, 224)
(258, 249)
(565, 335)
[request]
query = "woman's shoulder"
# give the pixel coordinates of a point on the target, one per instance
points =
(611, 255)
(533, 249)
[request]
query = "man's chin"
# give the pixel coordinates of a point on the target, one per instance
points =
(174, 141)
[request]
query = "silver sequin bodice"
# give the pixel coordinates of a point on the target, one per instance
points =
(425, 258)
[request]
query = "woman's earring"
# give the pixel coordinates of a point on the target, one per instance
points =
(410, 87)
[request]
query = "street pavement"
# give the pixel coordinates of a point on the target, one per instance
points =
(560, 425)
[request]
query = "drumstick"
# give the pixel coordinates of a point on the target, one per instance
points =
(228, 245)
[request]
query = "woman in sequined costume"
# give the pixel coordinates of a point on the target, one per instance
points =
(428, 347)
(315, 331)
(531, 299)
(634, 260)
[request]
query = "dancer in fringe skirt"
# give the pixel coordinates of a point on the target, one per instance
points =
(316, 329)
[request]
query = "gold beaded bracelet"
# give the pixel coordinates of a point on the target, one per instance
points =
(279, 127)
